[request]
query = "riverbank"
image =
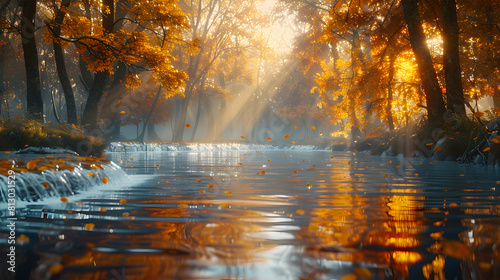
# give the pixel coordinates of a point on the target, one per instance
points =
(461, 140)
(22, 133)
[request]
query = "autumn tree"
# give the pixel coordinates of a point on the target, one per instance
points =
(218, 28)
(140, 45)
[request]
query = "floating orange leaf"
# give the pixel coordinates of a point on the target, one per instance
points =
(228, 193)
(183, 206)
(125, 214)
(269, 160)
(294, 127)
(313, 127)
(437, 149)
(23, 239)
(486, 149)
(198, 180)
(90, 174)
(453, 204)
(363, 273)
(242, 137)
(300, 211)
(64, 200)
(188, 125)
(46, 185)
(269, 138)
(31, 165)
(105, 180)
(287, 136)
(56, 269)
(123, 112)
(263, 172)
(496, 140)
(210, 185)
(89, 226)
(349, 277)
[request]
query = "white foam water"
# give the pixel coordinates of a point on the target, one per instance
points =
(159, 147)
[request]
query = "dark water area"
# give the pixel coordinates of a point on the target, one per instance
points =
(268, 214)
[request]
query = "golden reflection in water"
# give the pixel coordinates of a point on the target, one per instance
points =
(348, 227)
(173, 246)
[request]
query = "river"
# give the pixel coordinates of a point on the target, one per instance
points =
(266, 212)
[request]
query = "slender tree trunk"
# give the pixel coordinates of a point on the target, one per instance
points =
(198, 114)
(390, 119)
(210, 119)
(61, 65)
(152, 135)
(496, 98)
(100, 78)
(33, 83)
(451, 58)
(180, 123)
(433, 93)
(146, 121)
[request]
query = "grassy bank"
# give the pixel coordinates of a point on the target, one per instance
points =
(22, 133)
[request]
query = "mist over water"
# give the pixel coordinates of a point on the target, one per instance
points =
(271, 213)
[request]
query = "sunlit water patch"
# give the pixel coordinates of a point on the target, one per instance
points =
(270, 214)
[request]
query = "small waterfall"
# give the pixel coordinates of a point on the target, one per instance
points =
(161, 147)
(46, 177)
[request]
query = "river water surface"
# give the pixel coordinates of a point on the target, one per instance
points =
(268, 214)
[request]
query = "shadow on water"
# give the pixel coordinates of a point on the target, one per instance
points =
(270, 214)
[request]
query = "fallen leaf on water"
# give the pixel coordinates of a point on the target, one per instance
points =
(496, 140)
(198, 180)
(486, 149)
(64, 200)
(105, 180)
(23, 239)
(90, 174)
(269, 160)
(263, 172)
(125, 214)
(123, 201)
(294, 127)
(287, 136)
(210, 185)
(453, 204)
(188, 125)
(313, 127)
(123, 112)
(183, 205)
(300, 211)
(242, 137)
(269, 138)
(56, 269)
(103, 209)
(31, 165)
(89, 226)
(363, 272)
(437, 149)
(46, 185)
(349, 277)
(228, 193)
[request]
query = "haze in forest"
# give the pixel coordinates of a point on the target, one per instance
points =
(277, 72)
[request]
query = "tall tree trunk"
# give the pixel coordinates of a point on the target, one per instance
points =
(146, 121)
(433, 93)
(198, 114)
(181, 122)
(451, 58)
(100, 78)
(210, 119)
(390, 119)
(33, 84)
(61, 65)
(152, 135)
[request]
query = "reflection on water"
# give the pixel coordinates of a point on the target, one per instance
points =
(270, 215)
